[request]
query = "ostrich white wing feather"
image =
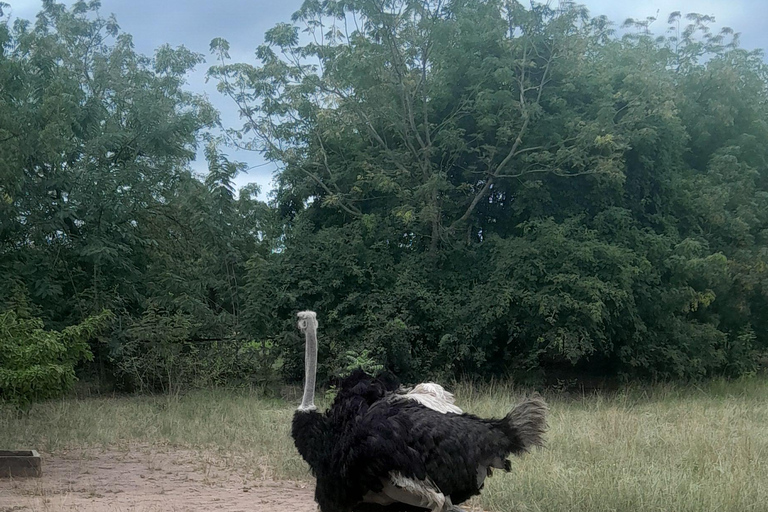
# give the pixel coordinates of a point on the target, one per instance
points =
(434, 396)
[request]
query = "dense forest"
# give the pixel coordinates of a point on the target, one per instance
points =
(465, 188)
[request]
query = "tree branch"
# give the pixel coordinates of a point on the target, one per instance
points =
(514, 150)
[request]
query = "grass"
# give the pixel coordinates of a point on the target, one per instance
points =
(664, 448)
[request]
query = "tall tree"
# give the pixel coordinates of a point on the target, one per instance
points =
(481, 187)
(99, 205)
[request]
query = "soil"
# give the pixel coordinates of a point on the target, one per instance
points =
(145, 479)
(149, 480)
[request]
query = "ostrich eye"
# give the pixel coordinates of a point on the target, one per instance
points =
(302, 324)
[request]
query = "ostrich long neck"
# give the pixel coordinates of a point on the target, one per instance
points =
(308, 323)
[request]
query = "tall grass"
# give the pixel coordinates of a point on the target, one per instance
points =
(667, 448)
(664, 448)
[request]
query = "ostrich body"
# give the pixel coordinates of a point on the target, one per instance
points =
(373, 447)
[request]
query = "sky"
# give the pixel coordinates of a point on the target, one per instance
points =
(193, 23)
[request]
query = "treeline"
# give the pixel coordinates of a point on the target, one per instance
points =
(465, 188)
(100, 209)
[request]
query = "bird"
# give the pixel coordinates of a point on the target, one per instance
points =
(375, 447)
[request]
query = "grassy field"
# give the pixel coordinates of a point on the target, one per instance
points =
(666, 448)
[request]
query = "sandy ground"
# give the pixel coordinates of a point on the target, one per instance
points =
(148, 480)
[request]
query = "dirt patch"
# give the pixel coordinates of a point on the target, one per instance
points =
(149, 480)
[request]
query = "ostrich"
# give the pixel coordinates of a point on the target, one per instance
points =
(373, 447)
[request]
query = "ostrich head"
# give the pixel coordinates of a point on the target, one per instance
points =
(308, 325)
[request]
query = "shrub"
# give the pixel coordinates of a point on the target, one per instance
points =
(38, 364)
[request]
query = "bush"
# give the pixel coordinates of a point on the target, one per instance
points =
(158, 352)
(38, 364)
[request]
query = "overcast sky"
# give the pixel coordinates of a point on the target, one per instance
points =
(194, 23)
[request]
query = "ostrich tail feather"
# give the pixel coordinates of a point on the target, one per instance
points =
(526, 424)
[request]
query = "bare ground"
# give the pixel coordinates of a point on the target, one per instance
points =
(149, 480)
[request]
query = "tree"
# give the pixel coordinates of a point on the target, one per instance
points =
(477, 187)
(100, 207)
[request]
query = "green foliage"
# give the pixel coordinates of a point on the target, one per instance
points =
(483, 188)
(474, 188)
(99, 207)
(362, 360)
(38, 364)
(158, 353)
(154, 355)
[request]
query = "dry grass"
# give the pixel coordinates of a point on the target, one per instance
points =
(663, 449)
(658, 449)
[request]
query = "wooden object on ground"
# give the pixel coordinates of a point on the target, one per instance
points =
(20, 463)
